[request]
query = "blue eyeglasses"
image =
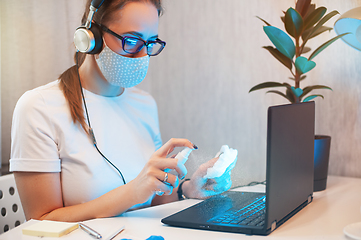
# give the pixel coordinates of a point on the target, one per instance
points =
(133, 45)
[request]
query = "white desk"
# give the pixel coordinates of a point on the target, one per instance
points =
(325, 218)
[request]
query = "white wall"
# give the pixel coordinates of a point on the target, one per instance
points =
(36, 47)
(213, 57)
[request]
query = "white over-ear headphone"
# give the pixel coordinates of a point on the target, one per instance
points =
(88, 38)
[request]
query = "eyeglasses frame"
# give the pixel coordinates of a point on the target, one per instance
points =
(146, 43)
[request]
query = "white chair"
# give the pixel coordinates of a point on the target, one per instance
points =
(11, 211)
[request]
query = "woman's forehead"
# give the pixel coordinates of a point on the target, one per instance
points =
(135, 17)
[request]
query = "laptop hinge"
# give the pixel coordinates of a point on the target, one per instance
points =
(309, 198)
(273, 225)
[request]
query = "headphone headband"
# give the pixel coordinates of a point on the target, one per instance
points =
(97, 3)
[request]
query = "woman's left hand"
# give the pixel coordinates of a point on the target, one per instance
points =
(200, 187)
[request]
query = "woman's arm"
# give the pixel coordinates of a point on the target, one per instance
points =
(41, 193)
(41, 197)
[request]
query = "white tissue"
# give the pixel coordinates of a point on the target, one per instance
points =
(226, 157)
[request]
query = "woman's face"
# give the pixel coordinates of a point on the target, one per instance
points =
(136, 19)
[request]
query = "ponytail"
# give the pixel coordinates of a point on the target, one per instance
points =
(69, 84)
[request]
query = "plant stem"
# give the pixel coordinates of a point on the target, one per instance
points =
(297, 47)
(298, 53)
(298, 75)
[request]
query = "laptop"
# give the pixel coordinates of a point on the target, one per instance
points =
(289, 181)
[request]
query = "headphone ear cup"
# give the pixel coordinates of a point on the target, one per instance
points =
(98, 39)
(88, 40)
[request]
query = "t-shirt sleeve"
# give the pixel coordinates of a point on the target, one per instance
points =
(33, 142)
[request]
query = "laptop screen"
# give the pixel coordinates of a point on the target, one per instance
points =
(290, 147)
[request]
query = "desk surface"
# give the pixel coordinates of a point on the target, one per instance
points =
(331, 210)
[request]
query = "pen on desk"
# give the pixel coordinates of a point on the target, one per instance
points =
(116, 233)
(90, 231)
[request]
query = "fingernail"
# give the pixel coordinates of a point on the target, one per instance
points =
(195, 146)
(183, 177)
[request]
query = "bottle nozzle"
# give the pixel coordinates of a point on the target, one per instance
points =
(183, 155)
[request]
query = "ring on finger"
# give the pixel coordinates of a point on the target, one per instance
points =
(165, 177)
(159, 192)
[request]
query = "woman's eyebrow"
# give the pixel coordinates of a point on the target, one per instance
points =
(138, 34)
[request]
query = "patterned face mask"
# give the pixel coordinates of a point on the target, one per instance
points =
(122, 71)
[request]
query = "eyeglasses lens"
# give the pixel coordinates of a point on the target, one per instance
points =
(154, 48)
(134, 45)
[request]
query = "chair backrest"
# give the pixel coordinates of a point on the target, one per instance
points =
(11, 211)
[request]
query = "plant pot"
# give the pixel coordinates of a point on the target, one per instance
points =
(321, 159)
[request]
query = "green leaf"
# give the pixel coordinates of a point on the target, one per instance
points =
(325, 45)
(308, 89)
(314, 17)
(310, 10)
(280, 93)
(267, 85)
(324, 20)
(277, 92)
(287, 85)
(309, 98)
(297, 91)
(290, 95)
(305, 50)
(281, 40)
(283, 17)
(303, 65)
(319, 25)
(264, 21)
(301, 78)
(302, 6)
(279, 56)
(293, 23)
(322, 29)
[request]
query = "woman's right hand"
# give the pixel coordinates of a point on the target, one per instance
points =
(150, 179)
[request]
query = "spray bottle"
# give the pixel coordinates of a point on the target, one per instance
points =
(182, 156)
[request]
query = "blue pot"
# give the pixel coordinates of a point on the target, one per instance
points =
(321, 159)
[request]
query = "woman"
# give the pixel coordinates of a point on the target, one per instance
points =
(59, 173)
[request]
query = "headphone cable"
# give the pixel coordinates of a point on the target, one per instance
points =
(90, 128)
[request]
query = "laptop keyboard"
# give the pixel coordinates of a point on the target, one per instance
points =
(250, 215)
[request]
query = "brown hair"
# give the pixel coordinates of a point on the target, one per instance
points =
(69, 81)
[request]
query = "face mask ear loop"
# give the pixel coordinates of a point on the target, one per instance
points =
(90, 128)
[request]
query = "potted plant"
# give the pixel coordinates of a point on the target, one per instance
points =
(301, 23)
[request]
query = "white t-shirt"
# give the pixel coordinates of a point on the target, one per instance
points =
(45, 139)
